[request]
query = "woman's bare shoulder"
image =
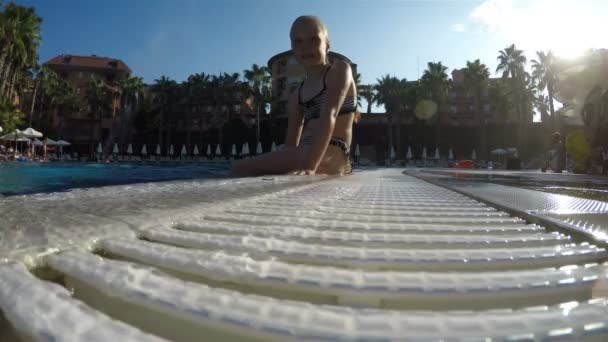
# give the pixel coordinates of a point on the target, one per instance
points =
(339, 74)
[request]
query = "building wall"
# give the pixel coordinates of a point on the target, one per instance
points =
(78, 126)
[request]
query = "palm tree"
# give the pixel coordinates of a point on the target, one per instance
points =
(544, 74)
(10, 116)
(42, 76)
(130, 90)
(258, 78)
(476, 77)
(19, 40)
(391, 92)
(67, 101)
(197, 86)
(165, 90)
(511, 63)
(369, 94)
(98, 98)
(435, 83)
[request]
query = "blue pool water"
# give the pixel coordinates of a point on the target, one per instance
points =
(28, 178)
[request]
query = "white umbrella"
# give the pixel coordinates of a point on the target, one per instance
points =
(129, 149)
(451, 154)
(392, 152)
(171, 152)
(245, 149)
(144, 150)
(409, 153)
(31, 133)
(158, 149)
(99, 148)
(62, 143)
(16, 134)
(115, 149)
(274, 147)
(258, 150)
(183, 151)
(473, 155)
(499, 151)
(424, 153)
(218, 150)
(437, 153)
(51, 142)
(1, 129)
(195, 152)
(357, 151)
(233, 149)
(37, 142)
(209, 150)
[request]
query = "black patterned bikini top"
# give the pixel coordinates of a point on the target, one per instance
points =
(312, 107)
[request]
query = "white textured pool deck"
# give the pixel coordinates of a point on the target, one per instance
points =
(377, 255)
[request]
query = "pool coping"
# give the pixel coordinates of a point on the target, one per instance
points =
(578, 232)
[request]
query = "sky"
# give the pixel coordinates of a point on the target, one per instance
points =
(177, 38)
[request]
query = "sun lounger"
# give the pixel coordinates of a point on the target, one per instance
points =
(383, 289)
(386, 258)
(44, 311)
(189, 310)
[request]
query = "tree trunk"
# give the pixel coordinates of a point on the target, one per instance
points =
(4, 78)
(257, 124)
(161, 126)
(11, 89)
(551, 109)
(33, 103)
(200, 130)
(399, 149)
(91, 137)
(369, 107)
(438, 129)
(481, 122)
(188, 127)
(4, 57)
(389, 126)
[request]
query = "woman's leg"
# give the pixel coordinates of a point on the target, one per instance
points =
(278, 162)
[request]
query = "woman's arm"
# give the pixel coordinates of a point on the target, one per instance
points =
(294, 122)
(338, 81)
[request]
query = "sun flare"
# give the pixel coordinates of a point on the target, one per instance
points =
(567, 28)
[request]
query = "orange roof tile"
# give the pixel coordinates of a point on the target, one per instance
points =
(89, 62)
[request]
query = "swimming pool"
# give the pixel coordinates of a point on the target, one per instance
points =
(28, 178)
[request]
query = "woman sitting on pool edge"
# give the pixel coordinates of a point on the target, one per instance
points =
(321, 112)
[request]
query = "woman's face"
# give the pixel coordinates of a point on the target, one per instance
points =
(309, 44)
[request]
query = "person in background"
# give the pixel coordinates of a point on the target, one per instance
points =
(321, 112)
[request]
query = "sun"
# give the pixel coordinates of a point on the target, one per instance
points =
(568, 28)
(563, 27)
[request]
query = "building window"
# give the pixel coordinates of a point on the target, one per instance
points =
(80, 75)
(453, 108)
(486, 107)
(292, 61)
